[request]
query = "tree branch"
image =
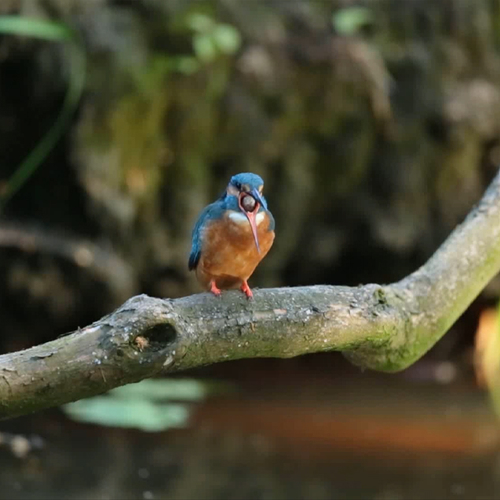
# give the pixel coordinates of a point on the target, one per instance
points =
(380, 327)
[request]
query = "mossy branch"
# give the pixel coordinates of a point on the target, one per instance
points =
(380, 327)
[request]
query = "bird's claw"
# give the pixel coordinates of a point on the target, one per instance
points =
(246, 290)
(216, 291)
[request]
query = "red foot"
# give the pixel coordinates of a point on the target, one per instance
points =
(246, 290)
(213, 288)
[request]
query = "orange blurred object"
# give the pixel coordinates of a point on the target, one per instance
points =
(487, 351)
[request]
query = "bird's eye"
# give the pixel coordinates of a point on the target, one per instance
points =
(237, 185)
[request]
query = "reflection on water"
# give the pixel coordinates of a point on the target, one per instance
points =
(283, 436)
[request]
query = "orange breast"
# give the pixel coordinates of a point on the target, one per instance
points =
(229, 254)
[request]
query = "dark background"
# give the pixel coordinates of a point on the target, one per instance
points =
(374, 139)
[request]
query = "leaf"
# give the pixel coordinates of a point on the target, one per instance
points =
(199, 22)
(227, 38)
(204, 48)
(146, 405)
(128, 413)
(162, 389)
(348, 21)
(35, 28)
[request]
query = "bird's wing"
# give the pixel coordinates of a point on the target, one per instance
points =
(209, 213)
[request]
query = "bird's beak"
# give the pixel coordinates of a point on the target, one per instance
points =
(255, 193)
(253, 224)
(251, 216)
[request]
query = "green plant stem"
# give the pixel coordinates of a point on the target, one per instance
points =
(55, 32)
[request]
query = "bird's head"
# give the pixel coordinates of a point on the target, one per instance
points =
(247, 188)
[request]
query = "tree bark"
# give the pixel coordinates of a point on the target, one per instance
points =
(380, 327)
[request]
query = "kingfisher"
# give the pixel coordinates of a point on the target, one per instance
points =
(232, 235)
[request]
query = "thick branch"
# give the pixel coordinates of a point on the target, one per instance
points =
(379, 327)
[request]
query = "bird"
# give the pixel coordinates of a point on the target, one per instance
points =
(232, 236)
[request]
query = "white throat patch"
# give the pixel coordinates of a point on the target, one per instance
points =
(240, 218)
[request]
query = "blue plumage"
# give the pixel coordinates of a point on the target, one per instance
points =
(211, 212)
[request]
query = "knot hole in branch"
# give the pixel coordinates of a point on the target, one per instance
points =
(156, 338)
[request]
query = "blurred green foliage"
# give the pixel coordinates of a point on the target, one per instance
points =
(350, 20)
(210, 41)
(152, 405)
(51, 31)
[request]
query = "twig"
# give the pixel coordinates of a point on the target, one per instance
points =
(379, 327)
